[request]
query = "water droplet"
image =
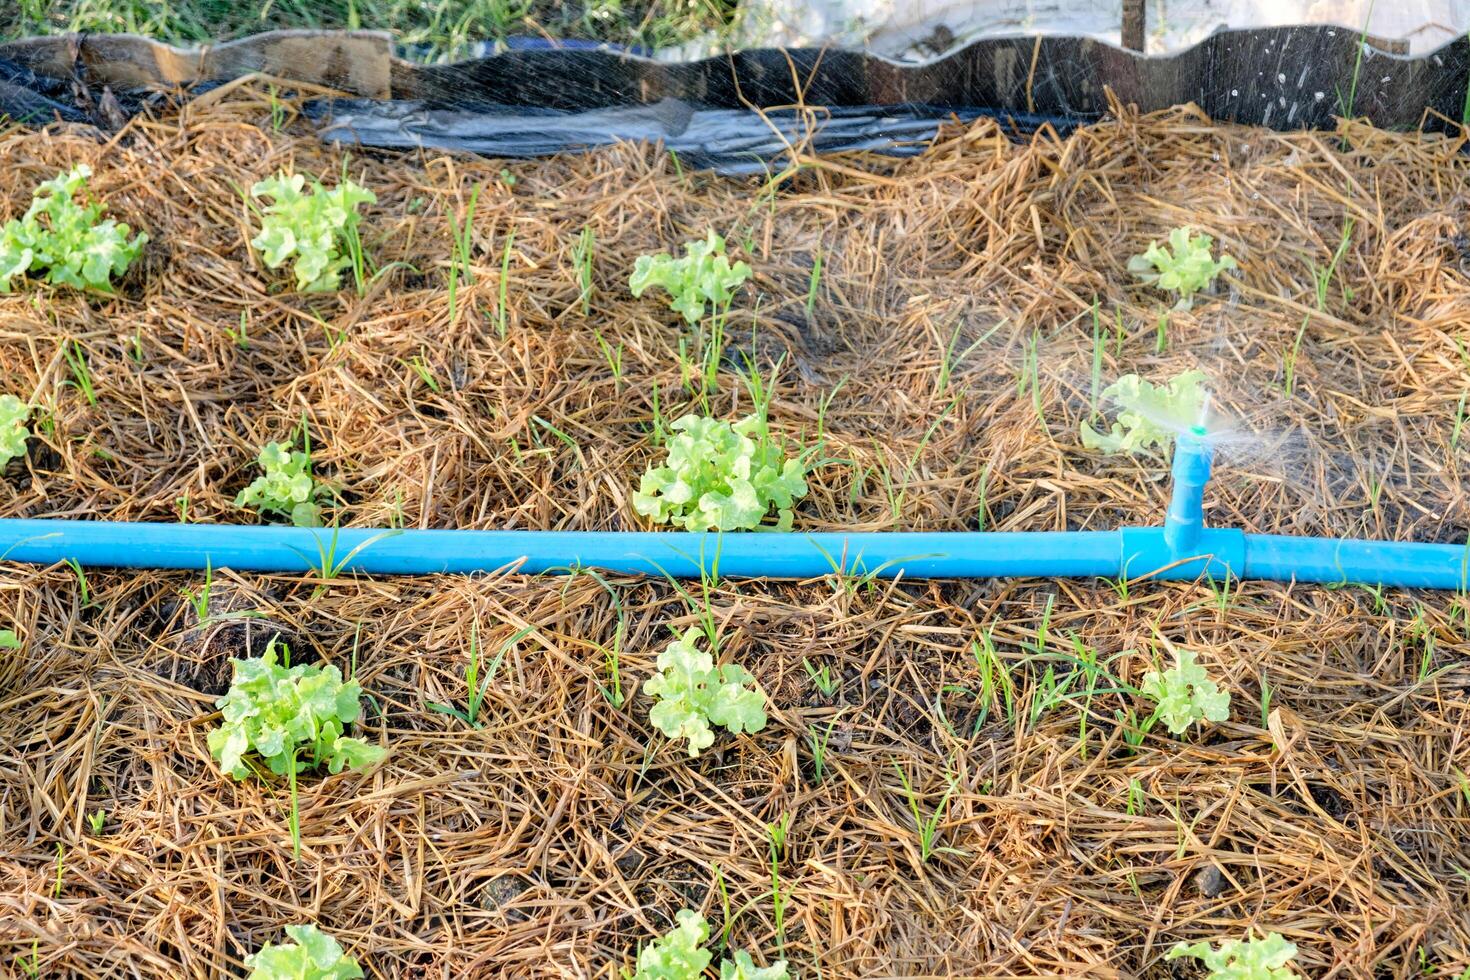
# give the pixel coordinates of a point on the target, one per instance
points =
(1234, 92)
(1319, 96)
(1280, 78)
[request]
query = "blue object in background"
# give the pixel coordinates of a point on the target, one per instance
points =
(1182, 549)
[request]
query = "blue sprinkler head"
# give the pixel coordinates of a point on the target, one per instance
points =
(1193, 455)
(1185, 518)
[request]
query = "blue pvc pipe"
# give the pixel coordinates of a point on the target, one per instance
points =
(680, 554)
(1185, 519)
(1348, 560)
(1182, 549)
(980, 554)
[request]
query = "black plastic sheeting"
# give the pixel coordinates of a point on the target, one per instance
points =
(1284, 78)
(529, 102)
(729, 141)
(30, 98)
(746, 111)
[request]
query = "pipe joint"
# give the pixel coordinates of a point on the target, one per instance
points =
(1185, 519)
(1216, 552)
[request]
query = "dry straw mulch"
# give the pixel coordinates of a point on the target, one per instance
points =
(945, 364)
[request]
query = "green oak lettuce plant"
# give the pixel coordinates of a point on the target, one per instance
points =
(1263, 958)
(291, 718)
(1149, 415)
(692, 694)
(288, 719)
(314, 227)
(14, 414)
(1185, 695)
(742, 967)
(312, 955)
(703, 275)
(1184, 266)
(719, 476)
(287, 487)
(64, 237)
(680, 955)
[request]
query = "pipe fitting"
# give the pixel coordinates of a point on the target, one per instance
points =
(1217, 552)
(1185, 519)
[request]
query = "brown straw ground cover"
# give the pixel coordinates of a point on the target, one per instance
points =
(942, 361)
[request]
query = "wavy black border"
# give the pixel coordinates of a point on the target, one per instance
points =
(1283, 77)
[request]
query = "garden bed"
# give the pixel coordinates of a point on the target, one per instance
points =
(943, 360)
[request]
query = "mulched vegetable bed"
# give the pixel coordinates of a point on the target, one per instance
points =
(942, 361)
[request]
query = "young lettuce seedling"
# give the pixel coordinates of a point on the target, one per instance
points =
(13, 432)
(316, 228)
(1185, 695)
(1149, 415)
(742, 967)
(287, 487)
(719, 476)
(692, 694)
(67, 240)
(1184, 267)
(290, 718)
(1253, 959)
(679, 955)
(312, 956)
(703, 275)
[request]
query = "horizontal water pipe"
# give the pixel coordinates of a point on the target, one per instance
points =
(1141, 552)
(1182, 549)
(680, 554)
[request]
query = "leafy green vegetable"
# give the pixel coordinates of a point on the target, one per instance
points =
(287, 487)
(693, 694)
(13, 431)
(1185, 266)
(291, 717)
(1185, 695)
(313, 956)
(313, 227)
(67, 239)
(703, 275)
(1254, 959)
(679, 955)
(721, 476)
(1149, 415)
(8, 640)
(744, 968)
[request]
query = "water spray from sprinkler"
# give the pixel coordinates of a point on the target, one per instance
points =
(1202, 417)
